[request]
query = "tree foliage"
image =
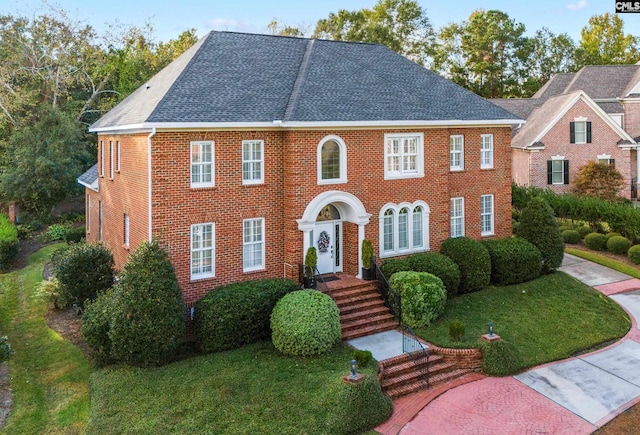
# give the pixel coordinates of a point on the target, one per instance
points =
(605, 43)
(538, 225)
(598, 179)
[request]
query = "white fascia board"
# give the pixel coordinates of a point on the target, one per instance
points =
(93, 186)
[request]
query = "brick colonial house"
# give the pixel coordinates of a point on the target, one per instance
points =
(248, 149)
(593, 114)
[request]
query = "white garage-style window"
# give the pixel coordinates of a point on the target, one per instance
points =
(403, 155)
(332, 160)
(202, 250)
(404, 228)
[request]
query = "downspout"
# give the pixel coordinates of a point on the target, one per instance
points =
(153, 133)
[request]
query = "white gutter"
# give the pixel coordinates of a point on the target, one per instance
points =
(153, 133)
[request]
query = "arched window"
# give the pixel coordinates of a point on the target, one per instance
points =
(404, 228)
(332, 160)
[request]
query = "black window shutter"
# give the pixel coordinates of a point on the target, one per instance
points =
(566, 172)
(572, 132)
(549, 172)
(589, 132)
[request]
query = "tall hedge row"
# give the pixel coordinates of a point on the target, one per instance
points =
(513, 260)
(473, 260)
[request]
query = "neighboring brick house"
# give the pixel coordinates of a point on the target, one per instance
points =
(593, 114)
(248, 149)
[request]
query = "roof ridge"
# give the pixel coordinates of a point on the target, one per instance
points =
(300, 79)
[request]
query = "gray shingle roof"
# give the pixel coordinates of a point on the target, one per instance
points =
(521, 107)
(90, 178)
(245, 78)
(604, 81)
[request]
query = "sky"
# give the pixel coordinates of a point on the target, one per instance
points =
(170, 18)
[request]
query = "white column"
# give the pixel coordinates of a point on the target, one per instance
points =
(360, 239)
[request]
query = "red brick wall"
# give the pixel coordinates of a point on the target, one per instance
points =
(557, 142)
(520, 166)
(631, 119)
(290, 184)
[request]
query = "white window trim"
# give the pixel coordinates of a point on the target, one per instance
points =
(118, 156)
(451, 217)
(401, 174)
(126, 230)
(396, 210)
(213, 159)
(88, 226)
(253, 180)
(264, 245)
(555, 158)
(203, 275)
(111, 160)
(343, 160)
(492, 214)
(484, 151)
(459, 167)
(101, 158)
(100, 219)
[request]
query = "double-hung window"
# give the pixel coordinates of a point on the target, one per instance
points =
(202, 250)
(118, 156)
(101, 158)
(253, 244)
(202, 164)
(558, 170)
(580, 132)
(252, 162)
(486, 215)
(457, 217)
(456, 153)
(486, 151)
(126, 230)
(112, 158)
(403, 155)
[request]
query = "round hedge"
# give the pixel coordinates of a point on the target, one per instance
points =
(634, 254)
(571, 236)
(618, 245)
(472, 259)
(439, 265)
(423, 297)
(390, 266)
(612, 234)
(584, 230)
(305, 323)
(595, 241)
(513, 260)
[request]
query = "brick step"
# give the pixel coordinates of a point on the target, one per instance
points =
(357, 299)
(408, 366)
(408, 374)
(368, 330)
(364, 312)
(434, 381)
(351, 292)
(366, 321)
(370, 304)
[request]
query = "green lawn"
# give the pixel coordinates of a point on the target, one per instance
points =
(547, 319)
(49, 376)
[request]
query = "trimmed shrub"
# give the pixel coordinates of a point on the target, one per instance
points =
(472, 259)
(358, 407)
(83, 270)
(390, 266)
(75, 235)
(96, 323)
(612, 234)
(362, 357)
(49, 290)
(618, 245)
(539, 226)
(305, 323)
(439, 265)
(596, 241)
(423, 297)
(237, 314)
(456, 330)
(571, 236)
(8, 243)
(149, 320)
(513, 260)
(634, 254)
(500, 358)
(584, 230)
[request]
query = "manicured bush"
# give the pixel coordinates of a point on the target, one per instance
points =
(83, 270)
(362, 357)
(49, 290)
(305, 323)
(456, 330)
(5, 349)
(618, 245)
(359, 407)
(571, 236)
(390, 266)
(500, 358)
(472, 259)
(423, 297)
(8, 243)
(96, 324)
(149, 321)
(596, 241)
(612, 234)
(634, 254)
(237, 314)
(584, 230)
(75, 235)
(439, 265)
(513, 260)
(539, 226)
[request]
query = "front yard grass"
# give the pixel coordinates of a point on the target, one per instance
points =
(548, 319)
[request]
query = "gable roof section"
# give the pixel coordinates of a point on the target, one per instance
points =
(603, 81)
(521, 107)
(235, 79)
(547, 116)
(90, 178)
(555, 86)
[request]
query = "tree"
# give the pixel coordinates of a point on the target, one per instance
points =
(605, 43)
(538, 225)
(598, 179)
(485, 54)
(275, 28)
(41, 160)
(401, 25)
(549, 54)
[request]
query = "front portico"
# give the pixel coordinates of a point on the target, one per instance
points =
(322, 224)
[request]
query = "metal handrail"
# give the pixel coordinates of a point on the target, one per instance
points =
(392, 299)
(420, 355)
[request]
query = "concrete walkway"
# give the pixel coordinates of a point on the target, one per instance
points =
(573, 396)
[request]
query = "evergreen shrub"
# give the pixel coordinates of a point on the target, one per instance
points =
(423, 297)
(618, 245)
(472, 259)
(596, 241)
(513, 260)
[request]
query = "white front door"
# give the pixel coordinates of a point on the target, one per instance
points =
(327, 240)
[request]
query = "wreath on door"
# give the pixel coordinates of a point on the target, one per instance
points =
(323, 242)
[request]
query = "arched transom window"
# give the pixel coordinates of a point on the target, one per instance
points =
(332, 160)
